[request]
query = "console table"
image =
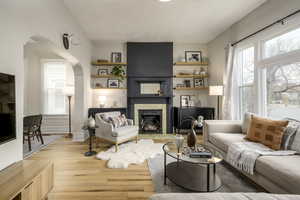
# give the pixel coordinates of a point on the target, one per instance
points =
(182, 113)
(27, 180)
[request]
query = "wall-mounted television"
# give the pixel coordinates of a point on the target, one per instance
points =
(7, 108)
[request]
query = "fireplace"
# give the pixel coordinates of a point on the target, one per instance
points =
(150, 121)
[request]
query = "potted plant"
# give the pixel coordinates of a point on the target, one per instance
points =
(119, 72)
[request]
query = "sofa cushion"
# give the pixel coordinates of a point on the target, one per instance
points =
(281, 170)
(118, 132)
(266, 131)
(223, 140)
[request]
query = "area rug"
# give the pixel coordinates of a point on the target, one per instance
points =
(37, 146)
(232, 180)
(131, 153)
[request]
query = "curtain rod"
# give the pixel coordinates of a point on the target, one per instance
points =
(266, 27)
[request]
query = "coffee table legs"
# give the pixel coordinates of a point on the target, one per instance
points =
(208, 177)
(165, 168)
(208, 174)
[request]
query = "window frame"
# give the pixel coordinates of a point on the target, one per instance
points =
(261, 64)
(240, 85)
(44, 100)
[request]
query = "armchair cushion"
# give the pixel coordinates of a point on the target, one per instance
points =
(121, 131)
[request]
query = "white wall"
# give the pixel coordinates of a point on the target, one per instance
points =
(264, 15)
(19, 21)
(103, 51)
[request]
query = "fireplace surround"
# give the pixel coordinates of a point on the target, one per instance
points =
(150, 121)
(151, 111)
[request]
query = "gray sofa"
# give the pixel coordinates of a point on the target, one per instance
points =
(223, 196)
(276, 174)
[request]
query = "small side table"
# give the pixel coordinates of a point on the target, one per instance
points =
(91, 134)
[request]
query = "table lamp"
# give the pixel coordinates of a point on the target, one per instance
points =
(102, 100)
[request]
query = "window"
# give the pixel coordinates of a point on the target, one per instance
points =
(283, 91)
(268, 82)
(54, 84)
(245, 65)
(284, 43)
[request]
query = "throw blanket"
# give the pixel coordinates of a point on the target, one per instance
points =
(243, 155)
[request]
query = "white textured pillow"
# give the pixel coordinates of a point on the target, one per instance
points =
(296, 142)
(289, 133)
(246, 122)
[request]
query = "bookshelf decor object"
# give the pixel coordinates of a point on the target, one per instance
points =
(109, 72)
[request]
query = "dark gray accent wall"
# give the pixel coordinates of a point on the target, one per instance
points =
(150, 59)
(152, 63)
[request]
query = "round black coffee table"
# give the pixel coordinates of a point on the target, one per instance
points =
(195, 174)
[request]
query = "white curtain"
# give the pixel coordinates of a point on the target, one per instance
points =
(229, 107)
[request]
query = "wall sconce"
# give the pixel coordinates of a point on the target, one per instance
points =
(70, 38)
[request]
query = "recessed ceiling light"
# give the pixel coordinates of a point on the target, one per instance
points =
(165, 0)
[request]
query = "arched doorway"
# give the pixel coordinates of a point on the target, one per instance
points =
(49, 50)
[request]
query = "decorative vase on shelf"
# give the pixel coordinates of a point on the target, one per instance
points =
(192, 137)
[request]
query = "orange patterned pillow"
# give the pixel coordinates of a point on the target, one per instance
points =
(266, 131)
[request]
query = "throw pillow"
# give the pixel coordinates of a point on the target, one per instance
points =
(289, 133)
(246, 122)
(119, 121)
(115, 121)
(123, 120)
(266, 131)
(295, 143)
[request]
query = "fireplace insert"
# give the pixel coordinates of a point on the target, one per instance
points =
(150, 121)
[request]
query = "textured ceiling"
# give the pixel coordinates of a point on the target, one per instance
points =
(185, 21)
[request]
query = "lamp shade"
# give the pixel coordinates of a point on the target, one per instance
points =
(102, 99)
(216, 90)
(69, 90)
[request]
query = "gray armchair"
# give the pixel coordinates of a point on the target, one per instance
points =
(116, 136)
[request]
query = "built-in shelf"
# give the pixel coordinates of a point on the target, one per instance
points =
(105, 76)
(191, 88)
(191, 64)
(109, 88)
(190, 76)
(108, 64)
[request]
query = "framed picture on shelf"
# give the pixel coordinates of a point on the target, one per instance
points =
(116, 57)
(113, 83)
(184, 100)
(102, 71)
(187, 83)
(198, 82)
(193, 56)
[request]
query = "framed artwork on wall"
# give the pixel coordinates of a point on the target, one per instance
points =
(184, 100)
(193, 56)
(116, 57)
(113, 83)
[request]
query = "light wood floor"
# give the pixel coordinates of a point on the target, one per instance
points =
(77, 177)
